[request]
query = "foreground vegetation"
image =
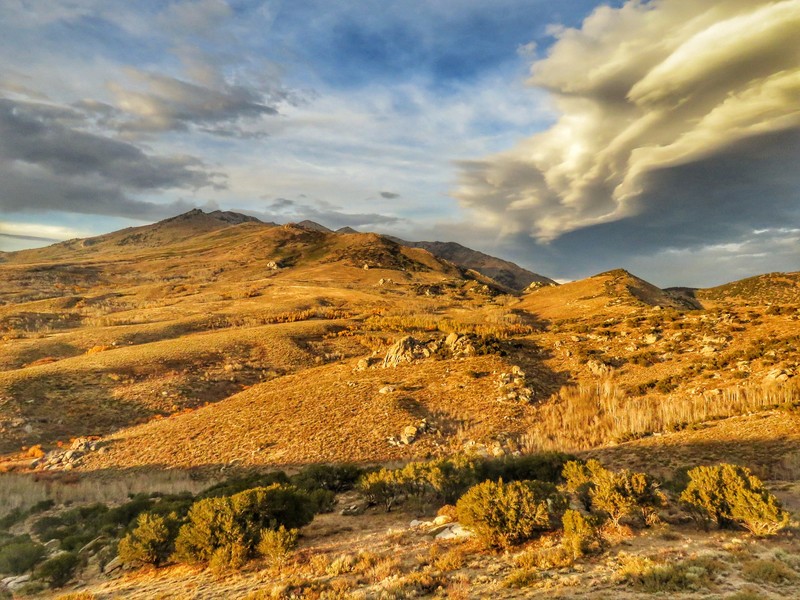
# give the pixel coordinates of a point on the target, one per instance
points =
(551, 510)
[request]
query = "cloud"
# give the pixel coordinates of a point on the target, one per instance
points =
(325, 213)
(164, 103)
(47, 163)
(389, 195)
(646, 94)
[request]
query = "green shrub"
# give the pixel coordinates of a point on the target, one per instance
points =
(544, 466)
(381, 487)
(240, 484)
(648, 576)
(230, 557)
(768, 571)
(729, 494)
(59, 569)
(323, 500)
(578, 481)
(616, 494)
(334, 478)
(225, 522)
(151, 542)
(277, 544)
(580, 534)
(504, 514)
(20, 555)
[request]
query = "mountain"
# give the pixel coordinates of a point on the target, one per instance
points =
(313, 226)
(504, 272)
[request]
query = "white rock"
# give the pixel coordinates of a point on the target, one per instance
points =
(455, 531)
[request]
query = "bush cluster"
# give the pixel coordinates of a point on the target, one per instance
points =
(614, 494)
(232, 526)
(443, 481)
(728, 495)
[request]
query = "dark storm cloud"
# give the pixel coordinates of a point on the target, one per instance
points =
(47, 164)
(389, 195)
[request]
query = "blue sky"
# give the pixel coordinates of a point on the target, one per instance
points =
(571, 137)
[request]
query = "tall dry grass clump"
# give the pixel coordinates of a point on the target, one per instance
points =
(586, 416)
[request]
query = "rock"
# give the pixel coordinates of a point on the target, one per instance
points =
(16, 582)
(366, 267)
(650, 339)
(405, 350)
(417, 523)
(273, 265)
(708, 350)
(598, 368)
(409, 434)
(353, 509)
(52, 546)
(113, 565)
(387, 389)
(442, 519)
(451, 339)
(454, 531)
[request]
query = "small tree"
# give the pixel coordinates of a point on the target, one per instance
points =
(728, 494)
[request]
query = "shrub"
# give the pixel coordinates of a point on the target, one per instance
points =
(621, 493)
(545, 466)
(648, 576)
(59, 569)
(334, 478)
(729, 494)
(580, 534)
(768, 571)
(504, 514)
(240, 484)
(615, 494)
(277, 544)
(215, 523)
(20, 555)
(381, 487)
(578, 481)
(151, 542)
(230, 557)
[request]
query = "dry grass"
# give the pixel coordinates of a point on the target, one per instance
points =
(24, 490)
(587, 416)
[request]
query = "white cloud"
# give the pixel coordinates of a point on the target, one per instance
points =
(640, 89)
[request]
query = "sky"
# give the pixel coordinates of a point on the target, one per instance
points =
(571, 137)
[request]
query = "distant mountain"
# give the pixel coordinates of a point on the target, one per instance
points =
(502, 271)
(312, 225)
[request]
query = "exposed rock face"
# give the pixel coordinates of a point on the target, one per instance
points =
(405, 350)
(409, 349)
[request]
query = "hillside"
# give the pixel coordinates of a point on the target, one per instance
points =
(211, 345)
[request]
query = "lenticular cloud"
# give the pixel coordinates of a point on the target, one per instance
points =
(640, 89)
